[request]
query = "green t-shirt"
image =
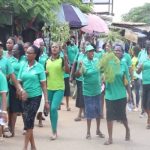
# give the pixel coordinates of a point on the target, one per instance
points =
(31, 78)
(79, 58)
(23, 60)
(5, 66)
(72, 52)
(42, 59)
(146, 72)
(16, 66)
(55, 77)
(3, 85)
(91, 77)
(127, 59)
(116, 90)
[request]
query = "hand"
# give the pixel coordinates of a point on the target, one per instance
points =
(80, 64)
(4, 116)
(24, 95)
(46, 105)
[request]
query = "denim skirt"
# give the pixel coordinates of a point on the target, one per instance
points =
(92, 106)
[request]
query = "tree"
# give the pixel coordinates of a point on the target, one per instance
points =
(138, 14)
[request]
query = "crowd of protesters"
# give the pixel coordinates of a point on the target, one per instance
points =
(34, 80)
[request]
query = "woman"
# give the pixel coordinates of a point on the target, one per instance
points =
(55, 67)
(145, 68)
(91, 89)
(3, 103)
(42, 60)
(115, 91)
(136, 82)
(33, 79)
(15, 105)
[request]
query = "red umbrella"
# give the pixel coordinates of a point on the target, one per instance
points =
(95, 24)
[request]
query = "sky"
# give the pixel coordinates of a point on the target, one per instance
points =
(121, 7)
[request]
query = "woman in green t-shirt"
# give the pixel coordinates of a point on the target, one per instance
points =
(33, 79)
(55, 67)
(115, 91)
(3, 102)
(145, 68)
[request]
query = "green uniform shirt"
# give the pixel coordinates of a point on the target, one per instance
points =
(31, 78)
(79, 58)
(55, 77)
(5, 66)
(91, 77)
(42, 59)
(23, 60)
(116, 90)
(146, 72)
(3, 85)
(72, 52)
(127, 59)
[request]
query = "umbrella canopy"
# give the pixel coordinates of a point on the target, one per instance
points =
(73, 15)
(95, 24)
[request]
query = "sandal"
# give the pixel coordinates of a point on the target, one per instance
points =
(100, 134)
(68, 109)
(77, 119)
(88, 136)
(127, 138)
(108, 142)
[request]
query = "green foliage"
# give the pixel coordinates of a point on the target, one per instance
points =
(112, 36)
(138, 14)
(109, 66)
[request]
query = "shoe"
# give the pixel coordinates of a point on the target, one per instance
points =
(142, 115)
(8, 134)
(77, 119)
(100, 134)
(136, 109)
(54, 137)
(108, 142)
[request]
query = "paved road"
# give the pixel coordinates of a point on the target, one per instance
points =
(72, 134)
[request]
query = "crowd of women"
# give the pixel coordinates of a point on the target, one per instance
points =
(33, 80)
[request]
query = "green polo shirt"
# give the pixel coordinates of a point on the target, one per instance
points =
(146, 71)
(116, 90)
(31, 78)
(3, 85)
(72, 52)
(55, 77)
(91, 77)
(42, 59)
(5, 66)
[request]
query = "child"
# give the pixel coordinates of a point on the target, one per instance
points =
(3, 103)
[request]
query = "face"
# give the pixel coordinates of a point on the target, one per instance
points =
(25, 47)
(15, 51)
(108, 47)
(30, 54)
(118, 51)
(9, 44)
(55, 48)
(90, 54)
